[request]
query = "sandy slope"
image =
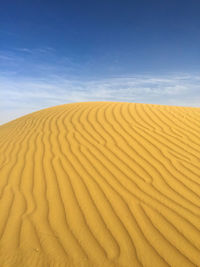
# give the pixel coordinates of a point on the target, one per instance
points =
(101, 184)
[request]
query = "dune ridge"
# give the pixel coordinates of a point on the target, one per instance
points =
(101, 184)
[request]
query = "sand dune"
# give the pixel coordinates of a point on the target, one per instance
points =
(101, 184)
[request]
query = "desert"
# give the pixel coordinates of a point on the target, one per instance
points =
(101, 184)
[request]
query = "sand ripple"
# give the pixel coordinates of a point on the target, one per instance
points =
(101, 184)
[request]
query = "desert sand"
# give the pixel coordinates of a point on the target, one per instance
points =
(101, 184)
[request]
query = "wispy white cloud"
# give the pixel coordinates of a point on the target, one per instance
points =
(35, 50)
(36, 62)
(20, 95)
(28, 83)
(26, 50)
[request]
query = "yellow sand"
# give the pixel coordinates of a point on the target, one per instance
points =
(101, 184)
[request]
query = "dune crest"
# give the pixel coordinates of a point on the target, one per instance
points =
(101, 184)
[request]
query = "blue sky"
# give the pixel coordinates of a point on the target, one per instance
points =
(56, 52)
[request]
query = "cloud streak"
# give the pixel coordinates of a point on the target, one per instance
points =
(21, 95)
(36, 78)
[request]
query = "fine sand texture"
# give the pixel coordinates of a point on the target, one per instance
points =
(101, 184)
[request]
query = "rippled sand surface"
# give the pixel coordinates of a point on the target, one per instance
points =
(101, 184)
